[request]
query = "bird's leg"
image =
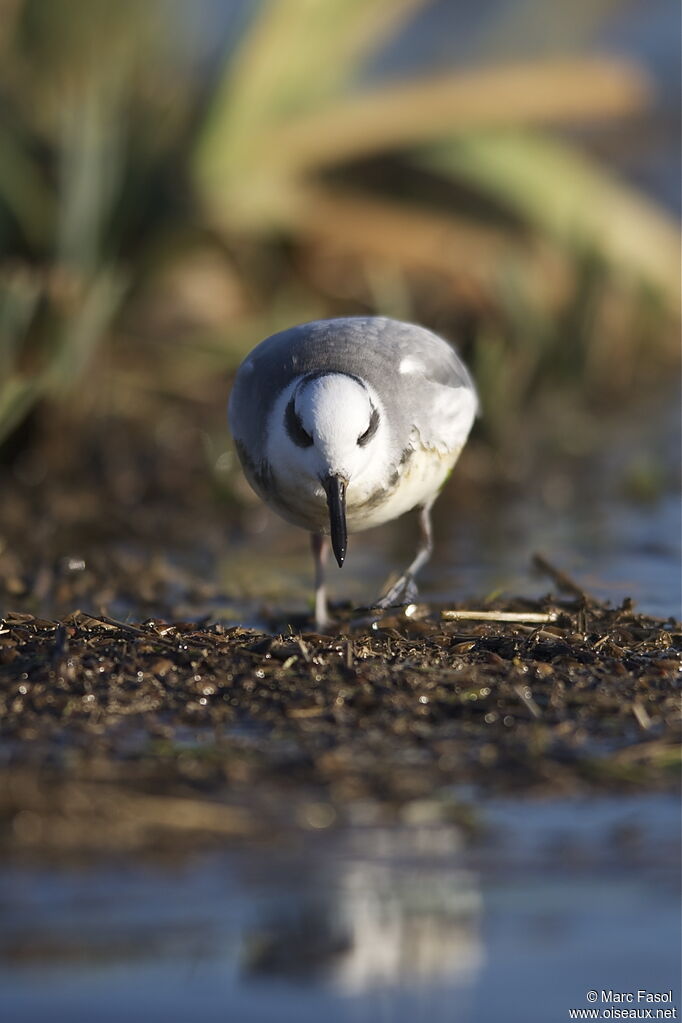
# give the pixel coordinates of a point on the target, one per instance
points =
(320, 548)
(405, 590)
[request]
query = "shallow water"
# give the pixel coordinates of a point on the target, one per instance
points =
(405, 924)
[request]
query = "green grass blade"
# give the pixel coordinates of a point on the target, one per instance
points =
(18, 395)
(23, 189)
(533, 92)
(567, 196)
(295, 57)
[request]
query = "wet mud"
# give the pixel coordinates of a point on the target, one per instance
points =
(163, 735)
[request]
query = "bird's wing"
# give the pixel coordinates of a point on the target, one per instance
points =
(430, 387)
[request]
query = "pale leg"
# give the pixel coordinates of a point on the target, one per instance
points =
(405, 590)
(320, 548)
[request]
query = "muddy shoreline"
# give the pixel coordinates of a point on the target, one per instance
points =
(122, 737)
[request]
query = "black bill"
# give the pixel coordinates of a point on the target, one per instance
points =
(335, 488)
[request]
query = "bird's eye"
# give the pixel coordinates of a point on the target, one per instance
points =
(294, 427)
(366, 437)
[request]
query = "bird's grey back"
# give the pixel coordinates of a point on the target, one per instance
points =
(371, 348)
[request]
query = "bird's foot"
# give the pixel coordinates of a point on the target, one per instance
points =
(403, 592)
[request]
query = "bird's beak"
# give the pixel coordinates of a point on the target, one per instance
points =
(335, 488)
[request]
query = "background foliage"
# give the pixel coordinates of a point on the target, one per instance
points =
(163, 208)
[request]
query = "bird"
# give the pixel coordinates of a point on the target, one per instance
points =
(343, 424)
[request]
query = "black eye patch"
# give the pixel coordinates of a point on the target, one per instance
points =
(366, 437)
(294, 427)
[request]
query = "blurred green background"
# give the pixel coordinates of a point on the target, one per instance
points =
(179, 180)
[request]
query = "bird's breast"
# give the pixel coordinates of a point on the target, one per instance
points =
(414, 481)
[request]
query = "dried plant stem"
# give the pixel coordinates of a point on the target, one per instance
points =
(563, 581)
(542, 617)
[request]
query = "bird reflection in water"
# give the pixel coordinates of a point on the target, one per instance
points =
(400, 912)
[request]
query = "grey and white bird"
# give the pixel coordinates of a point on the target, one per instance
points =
(344, 424)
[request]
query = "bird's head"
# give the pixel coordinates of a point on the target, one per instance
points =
(333, 433)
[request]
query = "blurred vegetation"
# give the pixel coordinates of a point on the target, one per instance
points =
(157, 218)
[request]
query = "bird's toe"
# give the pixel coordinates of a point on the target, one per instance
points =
(403, 592)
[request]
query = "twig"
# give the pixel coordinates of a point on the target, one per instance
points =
(543, 617)
(563, 581)
(348, 654)
(534, 633)
(303, 647)
(166, 642)
(123, 626)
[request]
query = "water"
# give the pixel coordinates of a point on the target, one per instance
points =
(369, 924)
